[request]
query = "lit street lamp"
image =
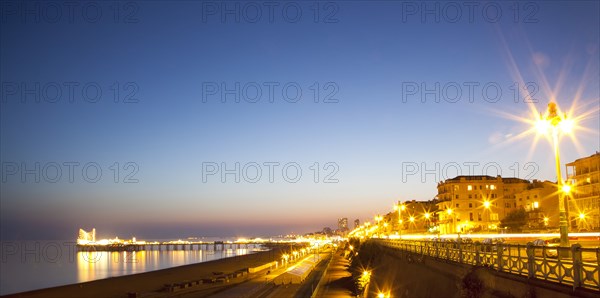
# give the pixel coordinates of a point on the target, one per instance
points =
(486, 206)
(400, 207)
(449, 211)
(554, 123)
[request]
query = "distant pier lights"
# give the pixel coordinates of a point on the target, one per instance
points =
(86, 237)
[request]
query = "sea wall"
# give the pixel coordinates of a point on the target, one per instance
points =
(404, 274)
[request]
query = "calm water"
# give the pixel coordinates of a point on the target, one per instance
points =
(32, 265)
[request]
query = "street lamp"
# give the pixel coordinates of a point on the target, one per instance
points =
(427, 215)
(400, 207)
(556, 123)
(449, 211)
(486, 205)
(378, 219)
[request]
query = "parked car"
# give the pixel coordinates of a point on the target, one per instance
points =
(491, 244)
(548, 247)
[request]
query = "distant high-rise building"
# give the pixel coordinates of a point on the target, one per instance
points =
(356, 223)
(343, 224)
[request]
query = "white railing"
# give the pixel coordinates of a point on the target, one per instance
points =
(575, 266)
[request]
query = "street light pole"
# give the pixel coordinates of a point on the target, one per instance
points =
(562, 213)
(554, 121)
(400, 207)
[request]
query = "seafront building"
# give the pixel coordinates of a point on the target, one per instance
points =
(476, 203)
(584, 201)
(540, 201)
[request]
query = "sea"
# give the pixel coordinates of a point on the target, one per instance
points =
(32, 265)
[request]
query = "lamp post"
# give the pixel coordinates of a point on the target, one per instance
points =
(486, 206)
(555, 123)
(449, 210)
(400, 207)
(378, 219)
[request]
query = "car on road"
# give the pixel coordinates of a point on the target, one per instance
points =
(491, 244)
(549, 247)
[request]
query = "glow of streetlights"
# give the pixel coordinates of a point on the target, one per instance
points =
(554, 122)
(581, 216)
(427, 215)
(412, 219)
(449, 210)
(487, 204)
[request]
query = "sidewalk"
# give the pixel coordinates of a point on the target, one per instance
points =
(337, 281)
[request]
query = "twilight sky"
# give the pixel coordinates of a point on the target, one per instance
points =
(373, 101)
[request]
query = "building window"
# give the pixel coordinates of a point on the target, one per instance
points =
(536, 205)
(469, 187)
(479, 216)
(457, 205)
(457, 197)
(470, 205)
(494, 216)
(492, 187)
(471, 216)
(470, 196)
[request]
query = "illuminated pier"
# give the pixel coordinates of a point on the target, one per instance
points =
(87, 242)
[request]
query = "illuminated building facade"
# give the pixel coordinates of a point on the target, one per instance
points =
(540, 200)
(584, 201)
(476, 203)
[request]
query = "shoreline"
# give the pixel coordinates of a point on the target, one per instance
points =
(154, 281)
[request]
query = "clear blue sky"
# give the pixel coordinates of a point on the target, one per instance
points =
(371, 52)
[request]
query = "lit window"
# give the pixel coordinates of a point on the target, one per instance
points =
(536, 205)
(469, 187)
(492, 186)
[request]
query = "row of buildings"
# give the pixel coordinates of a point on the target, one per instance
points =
(480, 203)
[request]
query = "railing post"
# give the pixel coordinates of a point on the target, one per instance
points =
(477, 256)
(577, 264)
(437, 251)
(530, 260)
(460, 254)
(499, 254)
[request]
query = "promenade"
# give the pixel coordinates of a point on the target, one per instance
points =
(337, 281)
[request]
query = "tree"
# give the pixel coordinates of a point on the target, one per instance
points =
(515, 220)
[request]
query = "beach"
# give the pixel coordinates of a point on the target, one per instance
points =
(152, 284)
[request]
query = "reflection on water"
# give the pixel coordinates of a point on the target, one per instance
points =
(31, 265)
(105, 264)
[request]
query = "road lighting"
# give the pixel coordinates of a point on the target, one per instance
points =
(449, 211)
(400, 207)
(427, 215)
(554, 123)
(378, 219)
(486, 206)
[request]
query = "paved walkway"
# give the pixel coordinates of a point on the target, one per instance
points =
(337, 282)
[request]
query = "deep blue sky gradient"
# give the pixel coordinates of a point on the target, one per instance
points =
(368, 53)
